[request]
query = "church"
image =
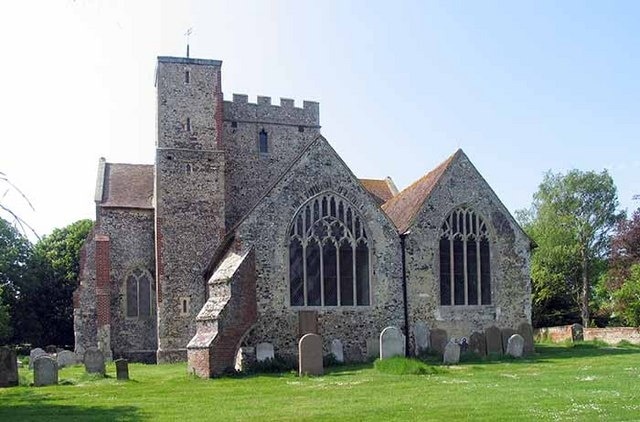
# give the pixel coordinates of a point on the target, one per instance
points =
(249, 229)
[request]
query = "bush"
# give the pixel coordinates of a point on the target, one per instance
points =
(278, 364)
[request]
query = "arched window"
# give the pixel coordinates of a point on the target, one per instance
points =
(139, 294)
(263, 142)
(465, 276)
(328, 255)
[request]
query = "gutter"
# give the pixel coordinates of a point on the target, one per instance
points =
(404, 294)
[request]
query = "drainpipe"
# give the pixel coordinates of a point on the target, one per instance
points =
(404, 294)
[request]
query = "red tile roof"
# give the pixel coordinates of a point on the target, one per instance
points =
(128, 186)
(403, 208)
(379, 188)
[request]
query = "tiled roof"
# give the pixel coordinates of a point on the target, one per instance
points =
(379, 188)
(128, 186)
(403, 208)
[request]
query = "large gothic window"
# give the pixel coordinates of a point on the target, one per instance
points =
(465, 277)
(139, 293)
(328, 255)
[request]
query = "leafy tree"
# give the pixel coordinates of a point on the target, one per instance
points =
(571, 218)
(625, 250)
(627, 298)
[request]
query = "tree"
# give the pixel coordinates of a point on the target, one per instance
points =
(625, 250)
(571, 218)
(627, 298)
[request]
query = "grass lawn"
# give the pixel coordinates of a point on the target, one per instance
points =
(583, 382)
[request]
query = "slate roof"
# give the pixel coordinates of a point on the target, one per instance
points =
(128, 186)
(379, 188)
(403, 208)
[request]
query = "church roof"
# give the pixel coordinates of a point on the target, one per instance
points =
(381, 189)
(127, 186)
(403, 207)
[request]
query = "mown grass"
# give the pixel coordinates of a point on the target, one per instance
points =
(561, 382)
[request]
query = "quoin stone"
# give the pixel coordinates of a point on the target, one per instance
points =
(515, 346)
(451, 355)
(494, 340)
(45, 371)
(34, 354)
(505, 334)
(421, 337)
(94, 361)
(310, 355)
(122, 369)
(391, 343)
(478, 344)
(264, 351)
(439, 340)
(8, 367)
(66, 358)
(526, 331)
(337, 350)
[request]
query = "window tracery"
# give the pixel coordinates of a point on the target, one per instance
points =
(139, 293)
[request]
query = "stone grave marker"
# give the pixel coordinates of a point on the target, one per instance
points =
(94, 361)
(264, 351)
(478, 344)
(51, 349)
(310, 355)
(494, 340)
(526, 331)
(439, 340)
(577, 332)
(506, 334)
(45, 371)
(515, 346)
(337, 350)
(391, 343)
(245, 357)
(34, 354)
(66, 358)
(122, 369)
(421, 337)
(373, 348)
(8, 367)
(451, 355)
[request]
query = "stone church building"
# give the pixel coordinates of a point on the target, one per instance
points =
(249, 228)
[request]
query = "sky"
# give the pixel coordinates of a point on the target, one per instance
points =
(522, 87)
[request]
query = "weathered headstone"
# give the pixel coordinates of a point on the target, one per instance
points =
(34, 354)
(264, 351)
(337, 350)
(391, 343)
(310, 355)
(122, 369)
(45, 371)
(515, 346)
(494, 340)
(94, 361)
(421, 337)
(451, 355)
(8, 367)
(373, 347)
(506, 333)
(66, 358)
(439, 340)
(245, 357)
(478, 344)
(577, 332)
(526, 331)
(51, 349)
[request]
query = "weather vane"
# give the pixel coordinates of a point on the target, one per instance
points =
(187, 34)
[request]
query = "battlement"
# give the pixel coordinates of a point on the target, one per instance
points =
(262, 111)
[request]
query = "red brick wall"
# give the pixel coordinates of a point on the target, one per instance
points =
(613, 335)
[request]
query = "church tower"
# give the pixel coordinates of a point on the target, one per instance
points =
(189, 193)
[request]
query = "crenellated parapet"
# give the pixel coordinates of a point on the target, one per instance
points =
(262, 111)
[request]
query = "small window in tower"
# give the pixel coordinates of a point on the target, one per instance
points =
(300, 129)
(188, 124)
(264, 142)
(188, 169)
(187, 77)
(184, 305)
(234, 124)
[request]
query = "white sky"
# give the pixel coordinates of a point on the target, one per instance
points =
(399, 88)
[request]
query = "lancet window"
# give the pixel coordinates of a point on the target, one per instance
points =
(139, 285)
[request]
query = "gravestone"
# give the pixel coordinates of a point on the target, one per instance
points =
(439, 340)
(122, 369)
(51, 349)
(94, 361)
(577, 332)
(264, 351)
(34, 354)
(451, 355)
(45, 371)
(307, 322)
(66, 358)
(8, 367)
(245, 357)
(478, 344)
(337, 350)
(310, 355)
(515, 346)
(373, 348)
(494, 340)
(391, 343)
(421, 337)
(526, 331)
(506, 333)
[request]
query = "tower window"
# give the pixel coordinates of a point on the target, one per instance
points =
(139, 294)
(300, 129)
(188, 169)
(263, 142)
(187, 77)
(188, 124)
(234, 124)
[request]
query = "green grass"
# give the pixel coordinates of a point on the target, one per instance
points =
(567, 382)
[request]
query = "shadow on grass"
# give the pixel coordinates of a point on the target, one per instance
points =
(24, 404)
